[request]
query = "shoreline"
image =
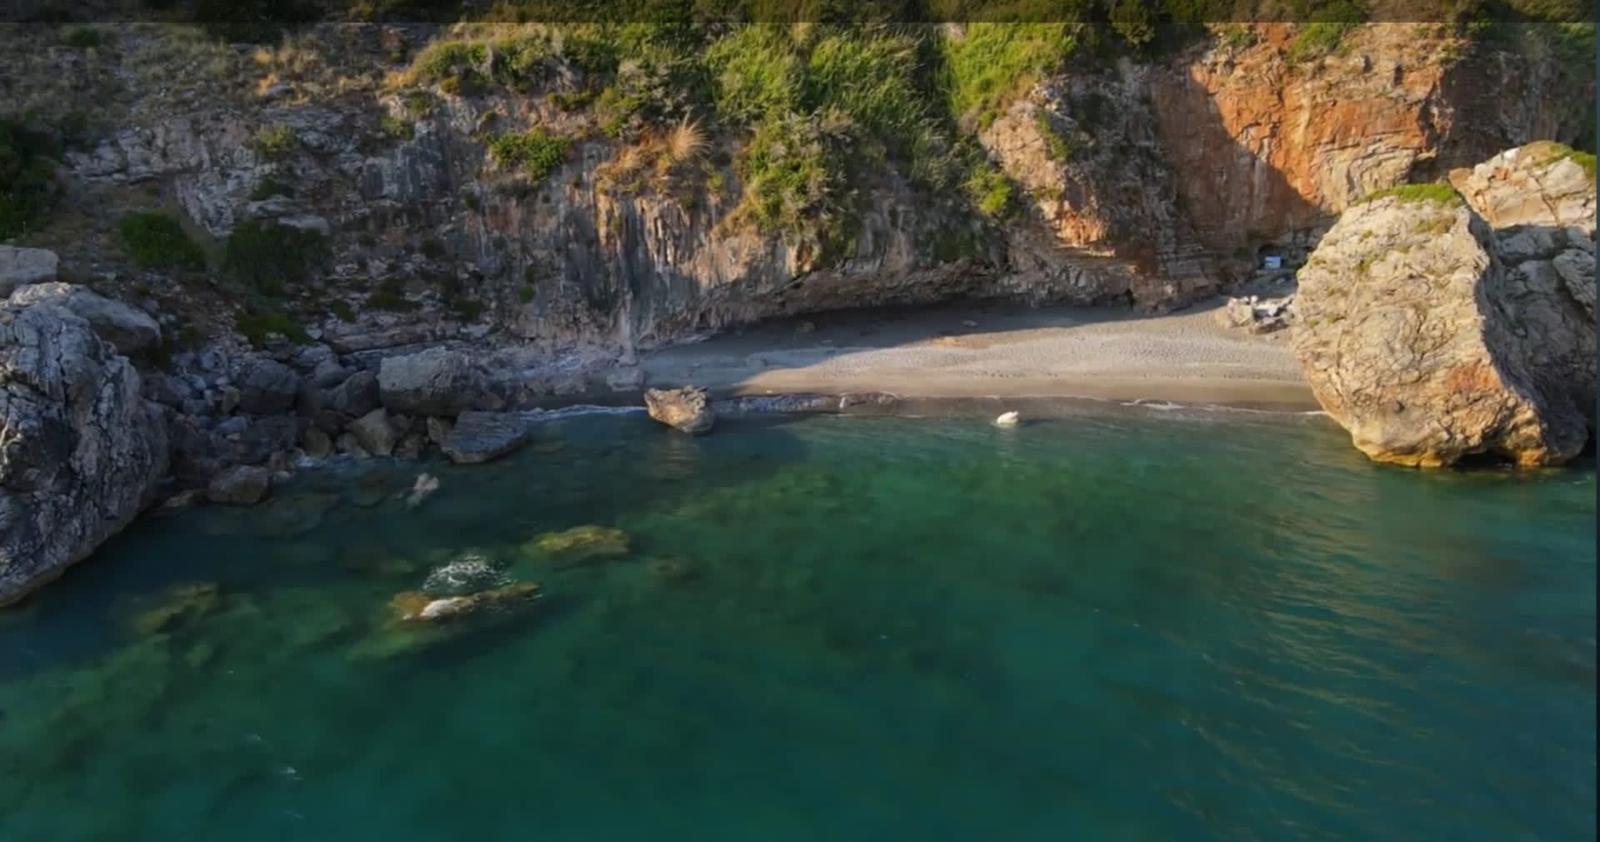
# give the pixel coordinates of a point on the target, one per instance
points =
(996, 351)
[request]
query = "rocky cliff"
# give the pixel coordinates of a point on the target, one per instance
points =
(1151, 182)
(1435, 325)
(80, 449)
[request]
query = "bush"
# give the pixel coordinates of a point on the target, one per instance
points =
(270, 187)
(990, 191)
(259, 323)
(535, 152)
(275, 141)
(993, 63)
(156, 240)
(1436, 191)
(27, 180)
(1329, 24)
(270, 257)
(83, 37)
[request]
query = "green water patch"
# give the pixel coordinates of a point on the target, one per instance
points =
(1120, 625)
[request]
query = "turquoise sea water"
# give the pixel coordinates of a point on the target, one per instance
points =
(1117, 625)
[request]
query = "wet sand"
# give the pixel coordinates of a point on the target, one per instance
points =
(999, 351)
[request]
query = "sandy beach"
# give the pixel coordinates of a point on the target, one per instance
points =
(998, 350)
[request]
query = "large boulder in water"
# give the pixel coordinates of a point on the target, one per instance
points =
(687, 409)
(1430, 336)
(437, 381)
(80, 448)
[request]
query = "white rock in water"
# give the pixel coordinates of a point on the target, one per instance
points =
(426, 484)
(1008, 419)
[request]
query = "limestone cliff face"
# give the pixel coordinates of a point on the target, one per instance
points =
(1263, 148)
(1434, 328)
(80, 449)
(1149, 183)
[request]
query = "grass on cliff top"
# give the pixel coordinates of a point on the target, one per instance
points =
(156, 240)
(1437, 192)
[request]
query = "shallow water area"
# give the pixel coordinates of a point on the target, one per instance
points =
(1125, 623)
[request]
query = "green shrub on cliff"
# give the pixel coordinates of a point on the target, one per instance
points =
(27, 172)
(1436, 191)
(987, 65)
(535, 152)
(1328, 24)
(157, 240)
(269, 257)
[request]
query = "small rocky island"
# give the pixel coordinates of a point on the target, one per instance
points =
(424, 262)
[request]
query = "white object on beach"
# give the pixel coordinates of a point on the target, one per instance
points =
(426, 484)
(1008, 419)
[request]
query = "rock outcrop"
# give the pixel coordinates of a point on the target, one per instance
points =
(80, 448)
(129, 330)
(483, 436)
(20, 267)
(687, 409)
(1432, 336)
(437, 381)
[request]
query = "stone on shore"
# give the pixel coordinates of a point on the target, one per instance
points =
(267, 387)
(482, 436)
(128, 329)
(687, 409)
(82, 450)
(241, 485)
(1431, 336)
(20, 267)
(374, 432)
(438, 381)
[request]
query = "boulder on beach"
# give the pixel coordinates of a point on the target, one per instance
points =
(82, 450)
(482, 436)
(687, 409)
(1432, 336)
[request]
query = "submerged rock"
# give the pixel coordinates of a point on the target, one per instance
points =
(1428, 346)
(241, 485)
(417, 607)
(482, 436)
(580, 544)
(687, 409)
(425, 485)
(179, 605)
(82, 449)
